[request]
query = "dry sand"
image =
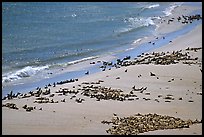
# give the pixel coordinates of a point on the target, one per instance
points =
(70, 117)
(162, 26)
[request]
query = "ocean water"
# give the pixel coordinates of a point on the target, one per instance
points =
(40, 39)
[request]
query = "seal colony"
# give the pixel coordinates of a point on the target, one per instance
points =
(90, 89)
(140, 123)
(154, 91)
(136, 124)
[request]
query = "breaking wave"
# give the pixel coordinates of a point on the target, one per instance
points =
(153, 6)
(30, 71)
(168, 11)
(25, 72)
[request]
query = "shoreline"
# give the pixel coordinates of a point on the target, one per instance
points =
(70, 117)
(137, 48)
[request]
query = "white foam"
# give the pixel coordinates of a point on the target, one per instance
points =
(129, 49)
(153, 6)
(136, 22)
(136, 41)
(74, 15)
(168, 11)
(73, 62)
(123, 30)
(81, 60)
(140, 21)
(25, 72)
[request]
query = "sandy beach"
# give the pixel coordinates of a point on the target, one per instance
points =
(172, 88)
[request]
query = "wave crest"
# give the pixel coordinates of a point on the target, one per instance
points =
(139, 22)
(25, 72)
(153, 6)
(136, 23)
(76, 61)
(168, 11)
